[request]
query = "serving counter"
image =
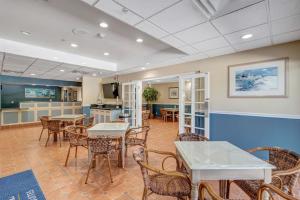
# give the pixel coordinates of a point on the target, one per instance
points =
(30, 112)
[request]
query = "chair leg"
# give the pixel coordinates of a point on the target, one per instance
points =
(126, 151)
(109, 166)
(68, 156)
(145, 194)
(59, 139)
(41, 134)
(76, 152)
(90, 167)
(47, 140)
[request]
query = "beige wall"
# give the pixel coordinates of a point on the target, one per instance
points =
(217, 67)
(163, 93)
(90, 90)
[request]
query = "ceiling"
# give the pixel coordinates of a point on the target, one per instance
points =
(173, 31)
(22, 66)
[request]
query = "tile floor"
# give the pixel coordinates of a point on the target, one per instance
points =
(20, 150)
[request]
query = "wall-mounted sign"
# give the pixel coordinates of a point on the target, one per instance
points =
(39, 93)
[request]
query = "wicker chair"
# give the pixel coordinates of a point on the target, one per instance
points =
(84, 126)
(161, 181)
(284, 177)
(54, 128)
(44, 121)
(100, 146)
(206, 192)
(191, 137)
(137, 137)
(76, 140)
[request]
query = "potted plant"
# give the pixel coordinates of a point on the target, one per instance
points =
(150, 94)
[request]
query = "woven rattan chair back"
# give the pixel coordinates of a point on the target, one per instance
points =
(100, 145)
(54, 126)
(191, 137)
(90, 121)
(284, 160)
(44, 121)
(73, 135)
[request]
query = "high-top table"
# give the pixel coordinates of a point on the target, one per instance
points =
(114, 130)
(220, 160)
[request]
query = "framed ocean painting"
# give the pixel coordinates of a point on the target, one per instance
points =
(259, 79)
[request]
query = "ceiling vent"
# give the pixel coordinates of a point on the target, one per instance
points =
(79, 72)
(206, 7)
(12, 71)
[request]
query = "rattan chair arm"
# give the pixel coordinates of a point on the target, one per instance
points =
(280, 180)
(81, 126)
(288, 171)
(271, 188)
(206, 187)
(164, 172)
(252, 150)
(169, 155)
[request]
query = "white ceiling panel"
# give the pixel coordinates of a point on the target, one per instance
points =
(220, 51)
(188, 49)
(91, 2)
(173, 41)
(15, 62)
(242, 19)
(112, 8)
(211, 44)
(146, 8)
(258, 32)
(284, 8)
(253, 44)
(151, 29)
(197, 56)
(286, 37)
(286, 25)
(178, 17)
(198, 33)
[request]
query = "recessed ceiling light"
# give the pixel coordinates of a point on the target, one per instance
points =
(247, 36)
(74, 45)
(62, 70)
(26, 33)
(83, 63)
(55, 57)
(103, 25)
(147, 63)
(143, 68)
(77, 78)
(94, 74)
(32, 74)
(106, 54)
(139, 40)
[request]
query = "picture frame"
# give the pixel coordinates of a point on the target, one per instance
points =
(258, 79)
(173, 93)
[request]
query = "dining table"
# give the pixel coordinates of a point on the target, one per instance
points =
(65, 118)
(173, 111)
(222, 161)
(114, 130)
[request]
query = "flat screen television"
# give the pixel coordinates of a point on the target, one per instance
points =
(111, 90)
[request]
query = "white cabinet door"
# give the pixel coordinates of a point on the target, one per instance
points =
(132, 102)
(194, 103)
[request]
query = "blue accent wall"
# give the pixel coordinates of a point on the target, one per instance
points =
(253, 131)
(86, 110)
(13, 89)
(156, 108)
